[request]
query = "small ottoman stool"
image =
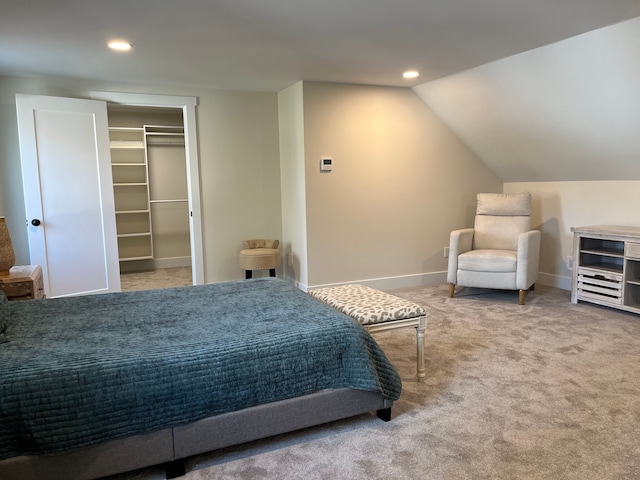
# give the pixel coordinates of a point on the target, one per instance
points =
(260, 255)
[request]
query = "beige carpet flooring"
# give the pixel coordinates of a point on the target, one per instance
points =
(160, 278)
(548, 390)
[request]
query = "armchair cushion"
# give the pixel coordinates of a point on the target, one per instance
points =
(488, 261)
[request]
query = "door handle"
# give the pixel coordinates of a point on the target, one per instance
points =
(35, 222)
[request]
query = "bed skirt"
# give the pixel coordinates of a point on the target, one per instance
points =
(172, 445)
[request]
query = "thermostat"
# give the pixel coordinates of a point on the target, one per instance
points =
(326, 164)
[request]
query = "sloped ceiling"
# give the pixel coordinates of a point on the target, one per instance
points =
(268, 45)
(569, 111)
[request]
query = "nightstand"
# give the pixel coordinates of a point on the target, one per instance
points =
(23, 283)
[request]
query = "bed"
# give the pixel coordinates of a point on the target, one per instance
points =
(97, 385)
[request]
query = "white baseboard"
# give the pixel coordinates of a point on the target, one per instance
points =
(422, 279)
(550, 280)
(301, 286)
(172, 262)
(145, 265)
(391, 283)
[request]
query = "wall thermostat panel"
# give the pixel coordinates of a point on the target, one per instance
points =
(326, 164)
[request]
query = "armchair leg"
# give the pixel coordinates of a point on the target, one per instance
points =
(532, 287)
(452, 288)
(521, 296)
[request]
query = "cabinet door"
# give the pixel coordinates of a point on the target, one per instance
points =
(66, 169)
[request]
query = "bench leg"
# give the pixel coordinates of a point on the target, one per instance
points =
(422, 326)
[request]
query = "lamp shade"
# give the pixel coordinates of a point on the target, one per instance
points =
(7, 257)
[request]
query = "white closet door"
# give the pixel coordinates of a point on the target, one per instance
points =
(66, 169)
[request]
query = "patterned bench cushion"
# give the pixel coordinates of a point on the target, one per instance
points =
(367, 305)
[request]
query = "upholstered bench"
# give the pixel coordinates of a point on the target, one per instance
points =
(376, 311)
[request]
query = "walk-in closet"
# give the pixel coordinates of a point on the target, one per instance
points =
(151, 197)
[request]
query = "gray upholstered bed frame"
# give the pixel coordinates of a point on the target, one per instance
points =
(171, 446)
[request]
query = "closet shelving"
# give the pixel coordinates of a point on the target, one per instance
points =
(131, 193)
(168, 191)
(159, 135)
(150, 191)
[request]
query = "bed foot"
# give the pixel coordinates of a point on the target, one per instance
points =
(174, 469)
(384, 414)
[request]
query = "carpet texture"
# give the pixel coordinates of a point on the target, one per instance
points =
(159, 278)
(548, 390)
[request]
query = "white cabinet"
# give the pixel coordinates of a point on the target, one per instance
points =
(606, 269)
(131, 193)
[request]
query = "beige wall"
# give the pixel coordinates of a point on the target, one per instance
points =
(238, 155)
(558, 206)
(401, 181)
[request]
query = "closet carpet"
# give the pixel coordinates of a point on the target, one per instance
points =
(160, 278)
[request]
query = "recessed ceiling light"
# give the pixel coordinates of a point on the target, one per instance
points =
(410, 74)
(119, 45)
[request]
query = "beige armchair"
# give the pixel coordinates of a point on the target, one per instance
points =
(501, 251)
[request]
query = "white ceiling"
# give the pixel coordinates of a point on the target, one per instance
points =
(267, 45)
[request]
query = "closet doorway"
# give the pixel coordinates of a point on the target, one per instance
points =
(156, 189)
(149, 168)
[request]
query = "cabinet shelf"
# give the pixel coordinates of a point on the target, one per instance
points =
(128, 212)
(177, 200)
(132, 259)
(606, 252)
(130, 235)
(163, 130)
(126, 144)
(604, 266)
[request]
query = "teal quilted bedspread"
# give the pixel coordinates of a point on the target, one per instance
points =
(80, 370)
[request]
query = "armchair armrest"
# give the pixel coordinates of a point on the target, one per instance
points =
(528, 259)
(460, 241)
